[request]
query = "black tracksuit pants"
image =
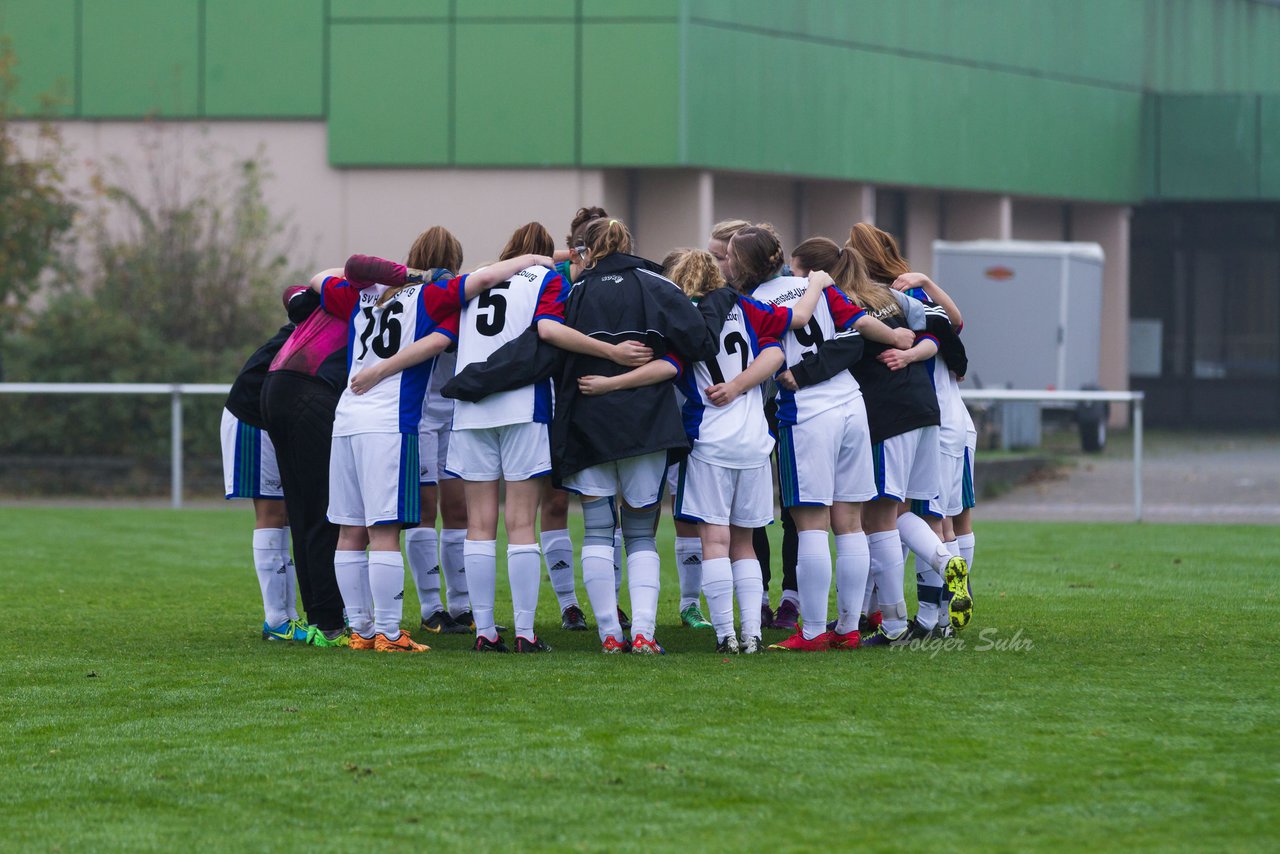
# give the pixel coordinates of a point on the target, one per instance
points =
(299, 410)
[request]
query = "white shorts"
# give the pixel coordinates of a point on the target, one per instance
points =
(716, 495)
(639, 480)
(249, 468)
(373, 479)
(907, 465)
(510, 452)
(827, 458)
(433, 449)
(955, 490)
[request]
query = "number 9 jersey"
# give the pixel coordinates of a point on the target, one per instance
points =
(495, 317)
(378, 332)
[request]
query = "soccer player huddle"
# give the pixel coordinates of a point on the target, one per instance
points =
(399, 393)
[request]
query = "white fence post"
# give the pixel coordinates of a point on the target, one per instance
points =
(1137, 459)
(175, 449)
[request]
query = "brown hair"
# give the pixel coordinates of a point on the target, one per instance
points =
(672, 257)
(605, 237)
(850, 274)
(695, 271)
(529, 239)
(755, 253)
(880, 251)
(817, 253)
(435, 247)
(580, 219)
(725, 229)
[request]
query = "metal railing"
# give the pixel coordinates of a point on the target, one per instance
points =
(175, 391)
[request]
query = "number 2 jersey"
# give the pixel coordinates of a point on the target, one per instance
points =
(835, 313)
(378, 332)
(495, 317)
(734, 436)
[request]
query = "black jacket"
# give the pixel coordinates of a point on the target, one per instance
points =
(621, 298)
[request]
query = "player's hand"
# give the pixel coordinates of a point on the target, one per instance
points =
(632, 354)
(820, 278)
(723, 394)
(594, 386)
(787, 381)
(903, 338)
(894, 360)
(541, 260)
(907, 281)
(367, 379)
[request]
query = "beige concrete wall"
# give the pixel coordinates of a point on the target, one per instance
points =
(831, 208)
(760, 198)
(1108, 226)
(978, 216)
(922, 229)
(1036, 220)
(671, 210)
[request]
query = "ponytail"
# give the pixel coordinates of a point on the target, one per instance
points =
(850, 274)
(605, 237)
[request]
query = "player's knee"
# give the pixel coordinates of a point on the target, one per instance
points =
(638, 529)
(598, 521)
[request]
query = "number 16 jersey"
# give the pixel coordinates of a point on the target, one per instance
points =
(493, 318)
(378, 332)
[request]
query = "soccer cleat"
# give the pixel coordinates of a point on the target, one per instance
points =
(613, 646)
(766, 616)
(692, 617)
(943, 630)
(535, 645)
(915, 631)
(359, 641)
(289, 630)
(960, 608)
(798, 643)
(468, 622)
(751, 645)
(882, 638)
(845, 640)
(788, 616)
(483, 644)
(728, 646)
(624, 620)
(440, 623)
(573, 620)
(641, 645)
(404, 643)
(317, 637)
(868, 623)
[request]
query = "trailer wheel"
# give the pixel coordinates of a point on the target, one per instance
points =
(1091, 417)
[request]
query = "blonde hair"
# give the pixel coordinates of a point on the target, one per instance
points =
(604, 237)
(725, 229)
(850, 274)
(880, 251)
(695, 271)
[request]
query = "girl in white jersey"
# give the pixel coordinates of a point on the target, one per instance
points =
(824, 458)
(373, 470)
(725, 485)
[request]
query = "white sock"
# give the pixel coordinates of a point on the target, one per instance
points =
(557, 552)
(717, 584)
(643, 572)
(291, 576)
(352, 571)
(966, 544)
(453, 565)
(870, 601)
(524, 571)
(689, 569)
(597, 577)
(386, 582)
(424, 566)
(916, 535)
(853, 565)
(273, 578)
(748, 581)
(886, 568)
(617, 561)
(480, 558)
(813, 578)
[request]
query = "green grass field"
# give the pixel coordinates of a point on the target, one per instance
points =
(1139, 709)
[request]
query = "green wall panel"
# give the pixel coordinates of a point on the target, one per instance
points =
(1269, 134)
(264, 59)
(515, 94)
(389, 95)
(140, 57)
(364, 9)
(42, 35)
(603, 9)
(1208, 147)
(506, 9)
(630, 94)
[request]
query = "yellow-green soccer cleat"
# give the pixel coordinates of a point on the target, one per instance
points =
(960, 607)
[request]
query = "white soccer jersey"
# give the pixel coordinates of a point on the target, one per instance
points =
(835, 313)
(495, 317)
(734, 436)
(956, 423)
(437, 410)
(378, 332)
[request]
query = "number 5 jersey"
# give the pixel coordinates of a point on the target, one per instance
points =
(378, 332)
